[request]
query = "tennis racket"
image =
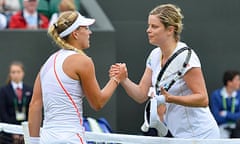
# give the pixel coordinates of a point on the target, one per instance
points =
(173, 70)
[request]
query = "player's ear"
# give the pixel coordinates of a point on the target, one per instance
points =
(171, 29)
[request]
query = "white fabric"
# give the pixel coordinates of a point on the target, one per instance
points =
(31, 19)
(155, 122)
(61, 122)
(53, 19)
(128, 139)
(80, 21)
(34, 140)
(3, 21)
(17, 85)
(225, 133)
(11, 6)
(225, 94)
(182, 121)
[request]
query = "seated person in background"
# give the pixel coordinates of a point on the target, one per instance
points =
(3, 21)
(64, 5)
(9, 7)
(28, 18)
(15, 97)
(225, 103)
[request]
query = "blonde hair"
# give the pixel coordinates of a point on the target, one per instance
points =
(170, 15)
(65, 20)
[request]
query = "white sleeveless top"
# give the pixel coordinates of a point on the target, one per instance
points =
(61, 120)
(183, 121)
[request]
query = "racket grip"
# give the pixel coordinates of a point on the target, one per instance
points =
(160, 99)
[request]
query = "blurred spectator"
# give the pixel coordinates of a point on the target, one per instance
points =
(9, 7)
(225, 103)
(48, 7)
(3, 21)
(15, 98)
(28, 18)
(64, 5)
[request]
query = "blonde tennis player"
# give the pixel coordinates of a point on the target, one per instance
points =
(66, 77)
(187, 114)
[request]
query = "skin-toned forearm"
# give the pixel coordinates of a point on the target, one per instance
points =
(108, 91)
(134, 90)
(195, 82)
(194, 100)
(34, 120)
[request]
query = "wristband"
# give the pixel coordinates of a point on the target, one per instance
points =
(34, 140)
(160, 99)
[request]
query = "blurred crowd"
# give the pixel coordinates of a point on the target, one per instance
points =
(32, 14)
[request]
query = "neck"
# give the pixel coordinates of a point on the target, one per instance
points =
(167, 49)
(229, 91)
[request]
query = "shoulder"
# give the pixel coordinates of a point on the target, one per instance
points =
(18, 14)
(80, 61)
(155, 53)
(238, 93)
(153, 57)
(43, 17)
(216, 93)
(5, 88)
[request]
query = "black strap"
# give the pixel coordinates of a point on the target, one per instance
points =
(168, 62)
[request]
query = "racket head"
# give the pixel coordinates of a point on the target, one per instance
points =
(172, 70)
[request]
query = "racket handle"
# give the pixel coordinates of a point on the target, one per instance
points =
(160, 99)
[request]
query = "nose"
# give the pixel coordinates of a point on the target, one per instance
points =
(148, 29)
(90, 32)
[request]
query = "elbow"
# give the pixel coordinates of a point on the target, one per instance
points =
(205, 101)
(141, 101)
(97, 108)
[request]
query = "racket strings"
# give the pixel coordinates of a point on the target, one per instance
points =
(176, 75)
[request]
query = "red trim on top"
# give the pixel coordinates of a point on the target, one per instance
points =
(66, 92)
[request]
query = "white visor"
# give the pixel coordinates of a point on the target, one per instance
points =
(80, 21)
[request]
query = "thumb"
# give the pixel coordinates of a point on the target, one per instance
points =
(163, 91)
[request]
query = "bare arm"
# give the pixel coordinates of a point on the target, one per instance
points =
(138, 91)
(195, 81)
(35, 109)
(85, 72)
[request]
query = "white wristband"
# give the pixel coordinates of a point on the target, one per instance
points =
(34, 140)
(160, 99)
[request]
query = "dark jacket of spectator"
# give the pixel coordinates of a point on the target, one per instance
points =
(8, 103)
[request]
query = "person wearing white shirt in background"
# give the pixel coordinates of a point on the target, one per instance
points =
(9, 7)
(28, 18)
(3, 21)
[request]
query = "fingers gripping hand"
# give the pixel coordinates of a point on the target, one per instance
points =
(119, 71)
(123, 72)
(114, 70)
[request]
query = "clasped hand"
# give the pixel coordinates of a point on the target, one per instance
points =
(119, 71)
